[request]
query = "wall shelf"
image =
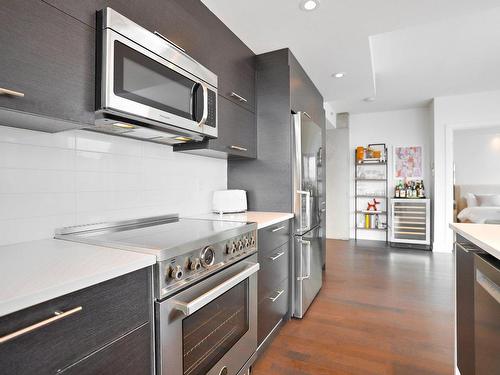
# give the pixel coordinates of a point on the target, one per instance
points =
(383, 197)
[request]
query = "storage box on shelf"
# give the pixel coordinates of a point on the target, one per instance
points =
(410, 223)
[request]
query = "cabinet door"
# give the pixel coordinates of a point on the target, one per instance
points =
(237, 130)
(49, 57)
(131, 354)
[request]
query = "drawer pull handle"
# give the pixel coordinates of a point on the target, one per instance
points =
(239, 97)
(11, 93)
(280, 292)
(278, 229)
(273, 258)
(58, 315)
(239, 148)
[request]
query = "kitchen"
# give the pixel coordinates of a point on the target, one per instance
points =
(163, 190)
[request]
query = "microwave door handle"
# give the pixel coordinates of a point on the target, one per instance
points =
(189, 308)
(205, 104)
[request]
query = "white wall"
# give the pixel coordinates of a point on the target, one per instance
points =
(476, 153)
(53, 180)
(452, 113)
(410, 127)
(337, 174)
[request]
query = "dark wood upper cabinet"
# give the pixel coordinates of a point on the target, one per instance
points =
(49, 57)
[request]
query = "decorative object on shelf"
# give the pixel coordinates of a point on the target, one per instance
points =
(372, 154)
(408, 162)
(372, 206)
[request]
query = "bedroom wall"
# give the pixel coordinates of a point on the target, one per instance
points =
(473, 111)
(410, 127)
(473, 148)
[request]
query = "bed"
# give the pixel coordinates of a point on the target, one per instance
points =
(477, 204)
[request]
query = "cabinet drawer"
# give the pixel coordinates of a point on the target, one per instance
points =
(272, 308)
(98, 315)
(274, 268)
(130, 354)
(49, 57)
(273, 236)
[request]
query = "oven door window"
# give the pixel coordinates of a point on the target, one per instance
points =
(211, 332)
(144, 80)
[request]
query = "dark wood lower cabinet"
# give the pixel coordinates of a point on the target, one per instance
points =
(97, 315)
(130, 354)
(272, 308)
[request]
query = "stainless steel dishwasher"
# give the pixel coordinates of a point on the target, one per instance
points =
(487, 314)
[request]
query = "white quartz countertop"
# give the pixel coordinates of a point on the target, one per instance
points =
(263, 219)
(486, 236)
(37, 271)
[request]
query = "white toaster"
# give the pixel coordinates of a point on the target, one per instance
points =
(229, 201)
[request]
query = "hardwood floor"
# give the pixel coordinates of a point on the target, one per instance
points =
(380, 311)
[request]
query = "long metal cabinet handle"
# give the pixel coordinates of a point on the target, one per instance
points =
(488, 285)
(239, 148)
(11, 93)
(308, 208)
(280, 292)
(278, 229)
(308, 275)
(169, 41)
(273, 258)
(307, 114)
(191, 307)
(239, 97)
(58, 315)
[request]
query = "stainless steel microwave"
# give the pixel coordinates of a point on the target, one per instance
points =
(149, 88)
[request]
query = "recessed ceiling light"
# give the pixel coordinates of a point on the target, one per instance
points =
(369, 99)
(309, 5)
(338, 75)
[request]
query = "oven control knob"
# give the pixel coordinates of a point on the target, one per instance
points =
(240, 245)
(252, 241)
(230, 248)
(176, 272)
(246, 241)
(207, 256)
(195, 264)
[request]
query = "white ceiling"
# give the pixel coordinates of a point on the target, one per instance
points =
(404, 52)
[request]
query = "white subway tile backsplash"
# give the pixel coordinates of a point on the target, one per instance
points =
(13, 155)
(35, 138)
(77, 177)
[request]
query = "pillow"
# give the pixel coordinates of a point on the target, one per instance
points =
(471, 200)
(488, 200)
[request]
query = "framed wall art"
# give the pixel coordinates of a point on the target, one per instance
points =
(408, 162)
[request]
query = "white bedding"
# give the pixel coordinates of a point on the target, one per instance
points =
(480, 215)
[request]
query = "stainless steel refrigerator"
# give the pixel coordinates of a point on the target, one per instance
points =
(308, 246)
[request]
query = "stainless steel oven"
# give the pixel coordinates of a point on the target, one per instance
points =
(148, 87)
(210, 327)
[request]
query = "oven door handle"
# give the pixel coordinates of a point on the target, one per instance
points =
(191, 307)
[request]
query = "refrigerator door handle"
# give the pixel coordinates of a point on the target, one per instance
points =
(308, 275)
(308, 209)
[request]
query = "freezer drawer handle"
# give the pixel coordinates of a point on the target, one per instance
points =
(58, 315)
(278, 229)
(489, 286)
(308, 209)
(308, 275)
(280, 292)
(191, 307)
(273, 258)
